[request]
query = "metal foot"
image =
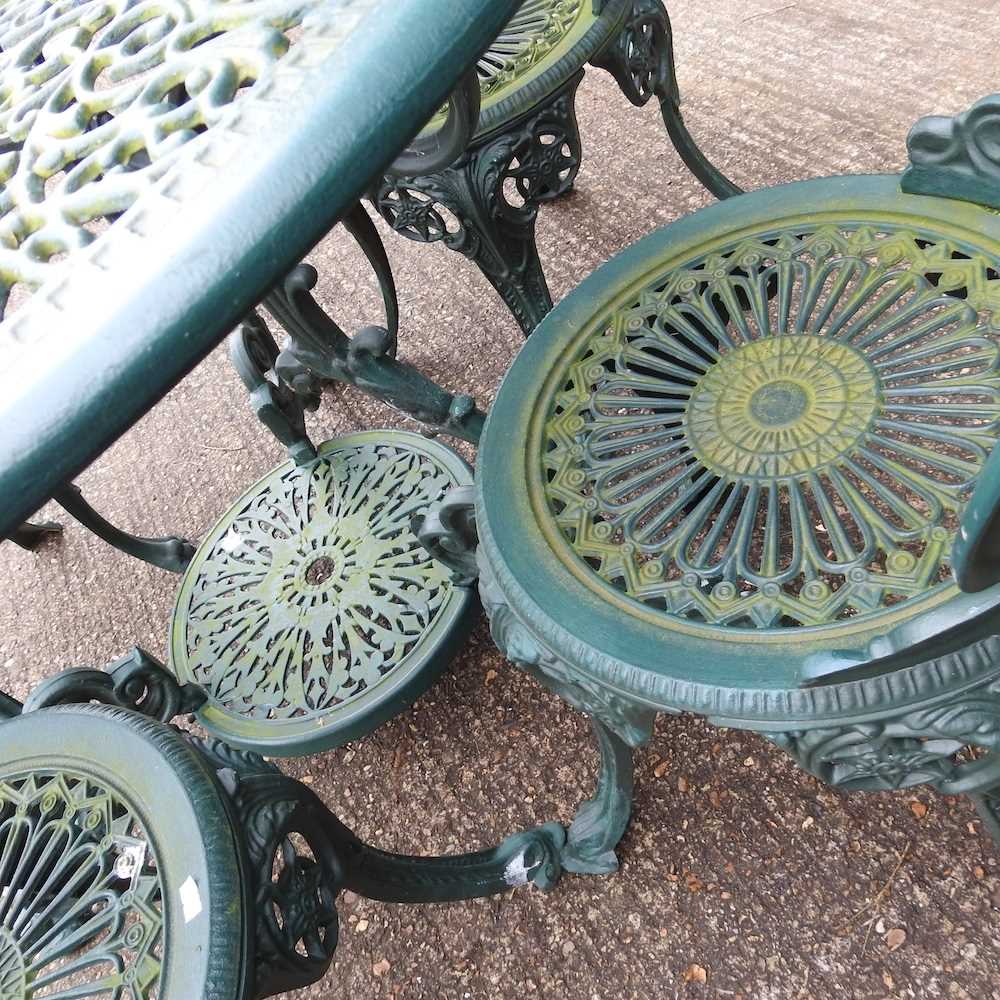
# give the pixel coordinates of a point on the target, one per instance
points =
(171, 553)
(29, 535)
(485, 205)
(601, 821)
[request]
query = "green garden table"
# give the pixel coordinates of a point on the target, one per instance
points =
(163, 167)
(728, 474)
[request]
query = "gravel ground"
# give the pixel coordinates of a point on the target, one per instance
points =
(741, 876)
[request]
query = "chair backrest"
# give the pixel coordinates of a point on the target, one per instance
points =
(957, 157)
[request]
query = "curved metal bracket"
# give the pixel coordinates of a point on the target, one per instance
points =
(295, 889)
(444, 146)
(138, 682)
(641, 59)
(448, 531)
(318, 347)
(279, 407)
(170, 553)
(957, 157)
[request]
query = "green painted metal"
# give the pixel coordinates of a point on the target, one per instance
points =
(959, 156)
(120, 870)
(976, 555)
(779, 431)
(528, 150)
(311, 613)
(30, 535)
(171, 553)
(470, 206)
(318, 350)
(748, 445)
(137, 681)
(188, 868)
(537, 51)
(233, 193)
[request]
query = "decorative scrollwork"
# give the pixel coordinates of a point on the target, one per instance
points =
(83, 896)
(619, 725)
(301, 856)
(640, 57)
(448, 532)
(295, 872)
(957, 157)
(317, 347)
(100, 100)
(925, 746)
(312, 590)
(485, 205)
(138, 682)
(632, 723)
(527, 38)
(783, 431)
(278, 406)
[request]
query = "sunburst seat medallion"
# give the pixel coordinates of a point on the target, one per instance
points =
(310, 612)
(737, 456)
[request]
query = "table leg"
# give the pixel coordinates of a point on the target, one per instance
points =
(29, 535)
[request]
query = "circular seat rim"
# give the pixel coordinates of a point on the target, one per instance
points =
(629, 652)
(207, 951)
(592, 31)
(393, 694)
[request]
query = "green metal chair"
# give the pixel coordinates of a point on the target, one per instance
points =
(311, 613)
(136, 861)
(725, 476)
(526, 147)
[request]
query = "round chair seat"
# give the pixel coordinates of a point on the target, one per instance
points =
(541, 47)
(119, 872)
(311, 613)
(745, 443)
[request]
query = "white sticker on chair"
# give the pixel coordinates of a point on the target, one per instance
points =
(190, 899)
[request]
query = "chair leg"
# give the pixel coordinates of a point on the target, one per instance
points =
(641, 59)
(485, 205)
(988, 807)
(295, 890)
(29, 536)
(600, 822)
(171, 553)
